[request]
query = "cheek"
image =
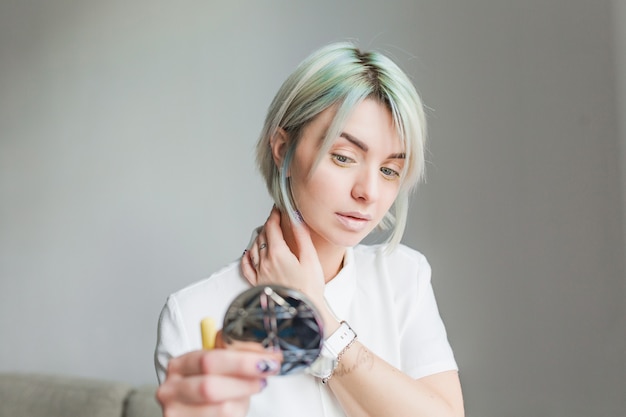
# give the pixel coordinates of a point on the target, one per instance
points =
(321, 189)
(316, 190)
(386, 198)
(390, 198)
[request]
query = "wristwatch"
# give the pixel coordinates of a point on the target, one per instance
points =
(332, 349)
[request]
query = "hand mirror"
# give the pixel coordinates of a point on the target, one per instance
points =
(278, 318)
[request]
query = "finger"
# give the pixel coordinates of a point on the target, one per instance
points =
(248, 270)
(260, 245)
(302, 236)
(273, 231)
(209, 389)
(261, 237)
(228, 408)
(253, 255)
(225, 362)
(299, 230)
(219, 340)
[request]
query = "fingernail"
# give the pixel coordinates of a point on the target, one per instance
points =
(244, 252)
(266, 366)
(263, 384)
(298, 216)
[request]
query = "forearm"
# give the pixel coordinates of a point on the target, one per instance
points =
(366, 385)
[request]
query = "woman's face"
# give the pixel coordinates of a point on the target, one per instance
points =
(355, 182)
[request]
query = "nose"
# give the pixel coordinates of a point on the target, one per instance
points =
(365, 186)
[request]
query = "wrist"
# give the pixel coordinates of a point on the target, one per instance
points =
(333, 349)
(331, 322)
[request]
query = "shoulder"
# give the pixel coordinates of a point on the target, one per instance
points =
(402, 270)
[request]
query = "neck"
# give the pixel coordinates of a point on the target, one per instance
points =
(330, 256)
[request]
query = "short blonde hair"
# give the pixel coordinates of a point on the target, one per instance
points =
(343, 76)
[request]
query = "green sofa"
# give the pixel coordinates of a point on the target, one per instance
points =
(33, 395)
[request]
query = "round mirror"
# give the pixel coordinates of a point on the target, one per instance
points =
(275, 317)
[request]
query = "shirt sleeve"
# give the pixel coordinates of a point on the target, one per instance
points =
(172, 338)
(425, 346)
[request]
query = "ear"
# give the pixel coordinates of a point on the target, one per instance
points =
(279, 143)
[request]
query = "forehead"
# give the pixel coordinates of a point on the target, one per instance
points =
(369, 122)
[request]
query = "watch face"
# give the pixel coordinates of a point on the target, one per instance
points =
(278, 318)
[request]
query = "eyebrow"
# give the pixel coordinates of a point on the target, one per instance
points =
(361, 145)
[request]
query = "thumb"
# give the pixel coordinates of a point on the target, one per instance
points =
(219, 340)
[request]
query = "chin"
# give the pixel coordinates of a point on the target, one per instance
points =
(340, 237)
(347, 241)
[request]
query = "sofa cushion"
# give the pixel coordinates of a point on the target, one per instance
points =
(141, 402)
(60, 396)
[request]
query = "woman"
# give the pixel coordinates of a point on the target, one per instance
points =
(342, 146)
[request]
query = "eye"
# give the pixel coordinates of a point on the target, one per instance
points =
(390, 173)
(341, 160)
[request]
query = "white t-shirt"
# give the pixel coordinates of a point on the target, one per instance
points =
(386, 298)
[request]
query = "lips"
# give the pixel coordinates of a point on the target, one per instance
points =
(354, 221)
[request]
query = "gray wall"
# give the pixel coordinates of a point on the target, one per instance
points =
(618, 21)
(126, 172)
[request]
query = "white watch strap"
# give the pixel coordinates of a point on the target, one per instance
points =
(339, 340)
(326, 362)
